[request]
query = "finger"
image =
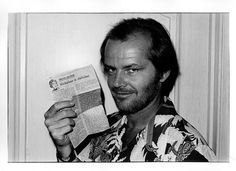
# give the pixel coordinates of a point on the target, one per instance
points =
(62, 123)
(61, 132)
(65, 113)
(57, 107)
(62, 142)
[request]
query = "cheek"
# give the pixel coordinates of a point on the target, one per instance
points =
(110, 78)
(109, 82)
(127, 82)
(139, 86)
(143, 82)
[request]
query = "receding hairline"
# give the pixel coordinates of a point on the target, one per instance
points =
(132, 37)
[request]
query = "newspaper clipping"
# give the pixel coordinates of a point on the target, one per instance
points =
(82, 86)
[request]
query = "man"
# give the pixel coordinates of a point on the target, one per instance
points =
(53, 84)
(140, 64)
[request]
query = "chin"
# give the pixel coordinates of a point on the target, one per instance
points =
(127, 108)
(123, 107)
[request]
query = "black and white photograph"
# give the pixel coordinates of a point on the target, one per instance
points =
(117, 82)
(164, 78)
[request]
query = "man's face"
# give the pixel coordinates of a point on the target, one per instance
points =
(54, 84)
(130, 74)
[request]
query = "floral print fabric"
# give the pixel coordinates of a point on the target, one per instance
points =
(172, 139)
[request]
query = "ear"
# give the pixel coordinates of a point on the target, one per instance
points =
(165, 76)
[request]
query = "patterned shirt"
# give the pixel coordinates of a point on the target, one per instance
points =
(169, 137)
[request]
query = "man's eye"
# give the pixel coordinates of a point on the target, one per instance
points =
(132, 70)
(109, 70)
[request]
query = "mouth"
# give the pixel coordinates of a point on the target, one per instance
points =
(122, 95)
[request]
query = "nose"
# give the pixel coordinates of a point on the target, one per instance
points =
(119, 80)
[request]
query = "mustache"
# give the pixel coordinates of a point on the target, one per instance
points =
(122, 90)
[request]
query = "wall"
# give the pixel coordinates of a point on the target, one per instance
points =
(194, 80)
(203, 95)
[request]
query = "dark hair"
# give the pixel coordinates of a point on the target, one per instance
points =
(161, 53)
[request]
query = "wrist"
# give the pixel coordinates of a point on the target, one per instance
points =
(65, 153)
(70, 158)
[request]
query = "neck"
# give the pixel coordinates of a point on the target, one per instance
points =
(140, 119)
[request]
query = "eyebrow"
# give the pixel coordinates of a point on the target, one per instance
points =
(131, 65)
(125, 67)
(109, 66)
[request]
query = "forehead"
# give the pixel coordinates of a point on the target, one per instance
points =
(132, 50)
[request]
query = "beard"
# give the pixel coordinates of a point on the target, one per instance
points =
(139, 99)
